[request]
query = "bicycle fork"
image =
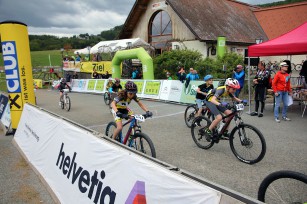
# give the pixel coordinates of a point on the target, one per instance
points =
(241, 131)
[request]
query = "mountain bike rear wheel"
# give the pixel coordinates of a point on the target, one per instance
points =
(247, 143)
(67, 104)
(106, 98)
(110, 130)
(189, 114)
(283, 187)
(142, 143)
(199, 136)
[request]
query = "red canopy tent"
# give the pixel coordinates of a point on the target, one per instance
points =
(291, 43)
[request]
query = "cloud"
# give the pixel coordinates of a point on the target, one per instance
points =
(71, 17)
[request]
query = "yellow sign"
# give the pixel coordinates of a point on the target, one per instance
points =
(38, 83)
(152, 87)
(18, 67)
(101, 67)
(140, 85)
(99, 85)
(15, 102)
(91, 85)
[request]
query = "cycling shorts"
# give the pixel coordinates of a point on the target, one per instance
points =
(126, 111)
(215, 110)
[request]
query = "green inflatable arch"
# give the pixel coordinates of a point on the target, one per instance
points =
(139, 53)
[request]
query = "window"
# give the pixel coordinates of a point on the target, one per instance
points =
(160, 30)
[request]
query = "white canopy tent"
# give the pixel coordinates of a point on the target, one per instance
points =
(114, 45)
(82, 51)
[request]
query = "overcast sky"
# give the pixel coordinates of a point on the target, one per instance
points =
(72, 17)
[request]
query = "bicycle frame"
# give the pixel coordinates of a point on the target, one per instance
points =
(133, 125)
(230, 116)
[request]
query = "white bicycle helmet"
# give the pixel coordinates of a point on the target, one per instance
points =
(233, 83)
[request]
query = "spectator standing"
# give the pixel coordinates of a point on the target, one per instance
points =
(260, 83)
(78, 57)
(75, 75)
(282, 89)
(108, 75)
(95, 74)
(168, 76)
(239, 75)
(303, 72)
(134, 73)
(191, 77)
(181, 75)
(289, 66)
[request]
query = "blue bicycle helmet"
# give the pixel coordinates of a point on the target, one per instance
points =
(207, 77)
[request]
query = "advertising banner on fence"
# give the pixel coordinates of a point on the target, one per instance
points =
(3, 102)
(152, 89)
(79, 85)
(82, 168)
(6, 113)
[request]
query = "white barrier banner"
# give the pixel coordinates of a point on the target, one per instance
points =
(6, 116)
(81, 168)
(79, 85)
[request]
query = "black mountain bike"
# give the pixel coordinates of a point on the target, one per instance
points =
(191, 111)
(246, 141)
(283, 187)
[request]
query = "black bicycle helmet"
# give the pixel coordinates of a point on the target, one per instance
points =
(130, 86)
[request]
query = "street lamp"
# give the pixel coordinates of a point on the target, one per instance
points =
(89, 52)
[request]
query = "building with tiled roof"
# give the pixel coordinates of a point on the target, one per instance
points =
(196, 24)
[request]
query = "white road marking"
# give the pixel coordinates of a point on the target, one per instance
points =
(155, 117)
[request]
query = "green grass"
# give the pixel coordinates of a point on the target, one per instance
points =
(38, 59)
(41, 58)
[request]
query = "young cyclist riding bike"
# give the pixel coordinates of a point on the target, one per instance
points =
(63, 85)
(109, 84)
(216, 107)
(202, 92)
(120, 105)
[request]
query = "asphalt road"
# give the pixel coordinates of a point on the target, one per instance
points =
(286, 141)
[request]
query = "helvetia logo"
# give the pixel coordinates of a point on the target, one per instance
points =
(87, 183)
(137, 194)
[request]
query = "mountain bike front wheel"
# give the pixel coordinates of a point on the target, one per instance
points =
(62, 102)
(189, 114)
(106, 98)
(67, 104)
(142, 143)
(247, 143)
(110, 130)
(283, 187)
(199, 136)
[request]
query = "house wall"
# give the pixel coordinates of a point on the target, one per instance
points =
(180, 30)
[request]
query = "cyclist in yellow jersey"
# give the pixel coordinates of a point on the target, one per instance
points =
(120, 105)
(216, 107)
(109, 84)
